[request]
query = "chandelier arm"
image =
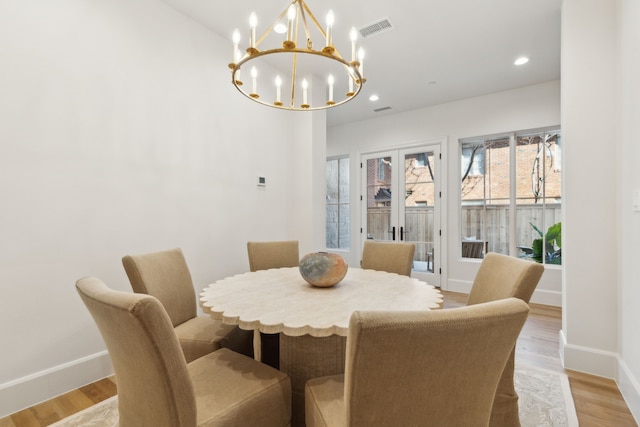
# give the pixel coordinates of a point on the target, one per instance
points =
(269, 28)
(304, 24)
(293, 79)
(313, 18)
(319, 27)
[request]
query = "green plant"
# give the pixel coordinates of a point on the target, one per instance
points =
(552, 241)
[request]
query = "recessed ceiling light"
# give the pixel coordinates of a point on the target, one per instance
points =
(521, 61)
(374, 98)
(280, 28)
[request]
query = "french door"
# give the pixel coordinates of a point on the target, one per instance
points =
(401, 202)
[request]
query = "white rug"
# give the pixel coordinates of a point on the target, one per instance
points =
(545, 401)
(545, 398)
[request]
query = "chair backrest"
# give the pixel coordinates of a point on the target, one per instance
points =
(502, 276)
(388, 256)
(437, 367)
(164, 275)
(154, 388)
(266, 255)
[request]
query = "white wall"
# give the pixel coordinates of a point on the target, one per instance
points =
(121, 133)
(600, 124)
(629, 293)
(524, 108)
(589, 111)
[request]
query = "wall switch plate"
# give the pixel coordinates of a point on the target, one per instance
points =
(636, 200)
(262, 181)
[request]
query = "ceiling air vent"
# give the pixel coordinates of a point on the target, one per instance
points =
(377, 110)
(378, 27)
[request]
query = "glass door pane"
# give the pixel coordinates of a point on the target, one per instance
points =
(380, 214)
(419, 202)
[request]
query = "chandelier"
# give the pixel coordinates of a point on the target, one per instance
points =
(300, 60)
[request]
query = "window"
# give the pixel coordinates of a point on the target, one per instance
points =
(337, 232)
(473, 159)
(511, 195)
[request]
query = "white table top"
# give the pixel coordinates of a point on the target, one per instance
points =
(279, 300)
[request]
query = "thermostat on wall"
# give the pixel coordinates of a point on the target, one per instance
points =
(262, 181)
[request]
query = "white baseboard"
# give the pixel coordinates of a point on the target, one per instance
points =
(540, 296)
(461, 286)
(589, 360)
(35, 388)
(604, 364)
(630, 389)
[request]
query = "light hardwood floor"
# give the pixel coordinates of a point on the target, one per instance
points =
(598, 401)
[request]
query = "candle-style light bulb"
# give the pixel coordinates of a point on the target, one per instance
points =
(351, 75)
(305, 85)
(236, 39)
(353, 35)
(254, 78)
(330, 21)
(330, 81)
(291, 16)
(253, 23)
(278, 89)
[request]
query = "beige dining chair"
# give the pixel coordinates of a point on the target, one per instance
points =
(393, 257)
(501, 276)
(166, 276)
(265, 256)
(437, 368)
(156, 386)
(277, 254)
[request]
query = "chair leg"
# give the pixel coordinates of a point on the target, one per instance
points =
(505, 412)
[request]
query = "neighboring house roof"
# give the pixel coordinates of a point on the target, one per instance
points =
(383, 194)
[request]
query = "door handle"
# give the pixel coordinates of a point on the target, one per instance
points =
(401, 233)
(393, 233)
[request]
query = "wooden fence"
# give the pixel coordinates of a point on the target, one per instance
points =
(490, 223)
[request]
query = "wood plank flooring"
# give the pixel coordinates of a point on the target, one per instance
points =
(598, 401)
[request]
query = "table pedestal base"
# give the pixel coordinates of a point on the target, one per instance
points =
(306, 357)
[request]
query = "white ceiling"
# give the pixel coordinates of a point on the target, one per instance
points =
(467, 47)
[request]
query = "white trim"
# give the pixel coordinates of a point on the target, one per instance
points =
(32, 389)
(545, 297)
(461, 286)
(588, 360)
(540, 296)
(630, 389)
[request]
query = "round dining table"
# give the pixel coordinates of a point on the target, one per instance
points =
(312, 322)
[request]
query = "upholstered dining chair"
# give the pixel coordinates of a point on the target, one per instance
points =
(277, 254)
(445, 368)
(264, 256)
(393, 257)
(158, 388)
(501, 276)
(166, 276)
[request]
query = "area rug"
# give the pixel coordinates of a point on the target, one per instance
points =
(545, 401)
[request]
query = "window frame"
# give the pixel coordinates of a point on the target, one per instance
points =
(485, 205)
(345, 201)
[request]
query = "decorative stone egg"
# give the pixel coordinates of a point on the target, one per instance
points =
(323, 269)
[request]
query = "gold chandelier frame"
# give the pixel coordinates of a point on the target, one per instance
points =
(352, 69)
